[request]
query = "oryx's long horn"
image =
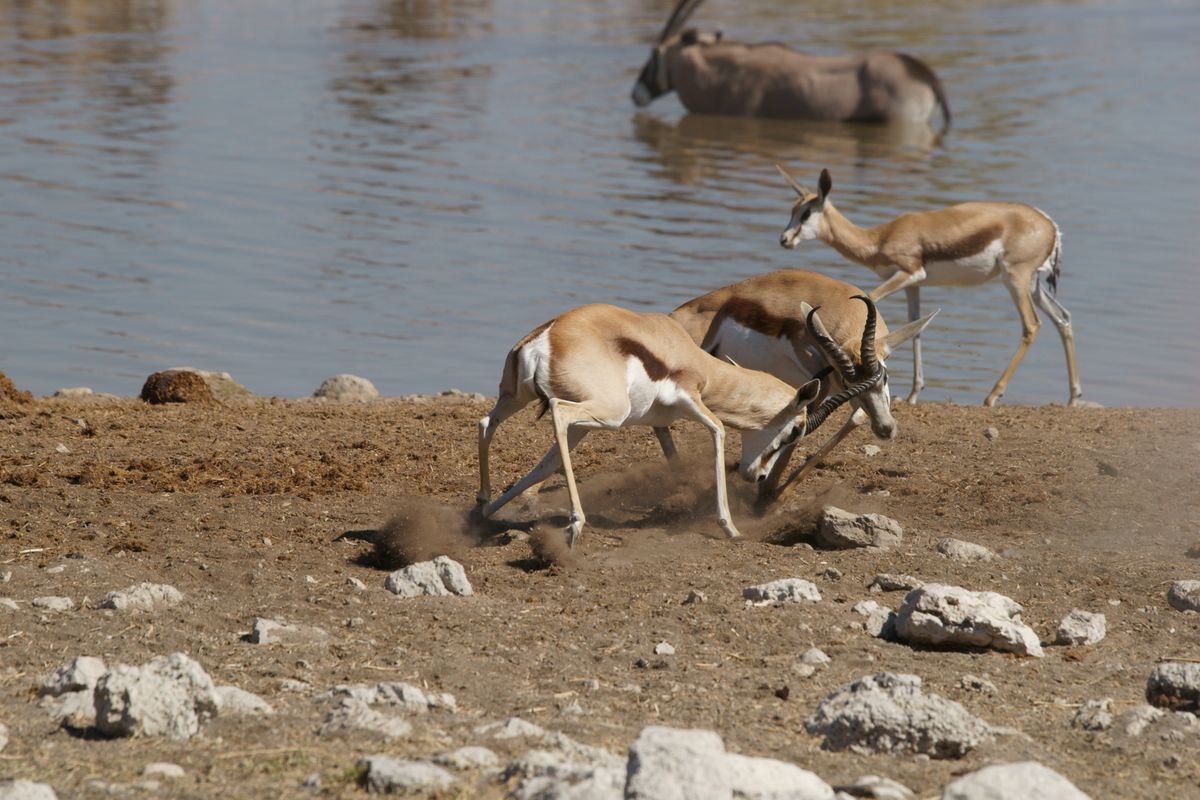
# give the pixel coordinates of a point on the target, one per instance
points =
(816, 418)
(796, 187)
(678, 17)
(832, 349)
(866, 351)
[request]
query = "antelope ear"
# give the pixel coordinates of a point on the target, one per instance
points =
(824, 185)
(690, 36)
(808, 393)
(901, 335)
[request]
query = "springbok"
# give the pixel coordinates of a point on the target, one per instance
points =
(599, 366)
(762, 323)
(961, 245)
(714, 76)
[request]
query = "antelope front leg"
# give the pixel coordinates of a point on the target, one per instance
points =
(505, 407)
(708, 420)
(913, 294)
(561, 429)
(1021, 296)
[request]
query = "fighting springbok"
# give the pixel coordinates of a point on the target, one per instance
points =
(961, 245)
(599, 366)
(763, 323)
(715, 76)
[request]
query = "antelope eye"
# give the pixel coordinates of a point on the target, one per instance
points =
(807, 213)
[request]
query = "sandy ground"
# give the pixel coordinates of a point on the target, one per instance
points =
(243, 508)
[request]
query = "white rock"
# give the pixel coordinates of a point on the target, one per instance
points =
(389, 775)
(664, 649)
(347, 389)
(5, 575)
(53, 603)
(354, 715)
(888, 713)
(73, 392)
(9, 603)
(1024, 780)
(784, 590)
(76, 675)
(1184, 595)
(270, 631)
(1080, 628)
(939, 614)
(974, 683)
(1174, 685)
(163, 769)
(142, 597)
(991, 433)
(3, 736)
(26, 790)
(511, 728)
(170, 696)
(1094, 715)
(870, 450)
(440, 577)
(814, 655)
(674, 764)
(355, 582)
(958, 550)
(694, 596)
(567, 769)
(875, 788)
(238, 701)
(1135, 721)
(469, 758)
(391, 693)
(73, 709)
(843, 530)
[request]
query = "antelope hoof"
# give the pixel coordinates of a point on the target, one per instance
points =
(991, 400)
(730, 531)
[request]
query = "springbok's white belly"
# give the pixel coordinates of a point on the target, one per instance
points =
(655, 403)
(968, 271)
(754, 350)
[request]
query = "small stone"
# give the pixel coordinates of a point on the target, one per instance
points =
(958, 550)
(1026, 780)
(3, 736)
(26, 790)
(169, 696)
(5, 576)
(1135, 721)
(354, 715)
(73, 392)
(816, 656)
(142, 597)
(992, 434)
(347, 389)
(1094, 715)
(884, 582)
(830, 573)
(938, 614)
(440, 577)
(163, 769)
(693, 597)
(1184, 595)
(294, 685)
(52, 603)
(269, 631)
(974, 683)
(390, 775)
(843, 530)
(62, 448)
(664, 649)
(56, 569)
(870, 450)
(1080, 628)
(1175, 685)
(310, 580)
(9, 603)
(356, 583)
(785, 590)
(238, 701)
(511, 728)
(469, 758)
(875, 788)
(803, 670)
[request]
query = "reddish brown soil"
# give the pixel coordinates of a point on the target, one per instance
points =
(240, 506)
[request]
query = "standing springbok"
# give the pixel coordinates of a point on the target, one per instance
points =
(763, 323)
(960, 245)
(714, 76)
(599, 366)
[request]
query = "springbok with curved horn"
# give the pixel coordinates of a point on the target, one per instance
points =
(961, 245)
(599, 366)
(715, 76)
(764, 323)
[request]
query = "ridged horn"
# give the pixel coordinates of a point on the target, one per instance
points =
(678, 17)
(866, 351)
(831, 404)
(832, 349)
(796, 187)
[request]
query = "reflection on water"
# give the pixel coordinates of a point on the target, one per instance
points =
(402, 188)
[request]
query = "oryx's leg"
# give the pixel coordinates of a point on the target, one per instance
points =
(506, 406)
(699, 412)
(1061, 318)
(668, 445)
(544, 469)
(913, 294)
(1022, 297)
(857, 419)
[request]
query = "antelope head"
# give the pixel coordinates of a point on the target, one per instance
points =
(808, 212)
(876, 400)
(800, 417)
(655, 77)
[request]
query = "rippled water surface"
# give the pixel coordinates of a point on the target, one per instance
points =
(285, 190)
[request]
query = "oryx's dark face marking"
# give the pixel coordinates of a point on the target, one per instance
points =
(652, 82)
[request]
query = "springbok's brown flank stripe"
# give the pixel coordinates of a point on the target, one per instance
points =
(966, 246)
(655, 368)
(750, 314)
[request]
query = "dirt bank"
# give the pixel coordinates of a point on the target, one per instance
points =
(243, 508)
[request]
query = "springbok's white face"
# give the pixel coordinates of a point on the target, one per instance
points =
(761, 448)
(805, 223)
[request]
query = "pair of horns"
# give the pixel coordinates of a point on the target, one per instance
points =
(825, 183)
(871, 367)
(678, 17)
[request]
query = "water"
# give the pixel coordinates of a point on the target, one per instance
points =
(401, 190)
